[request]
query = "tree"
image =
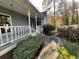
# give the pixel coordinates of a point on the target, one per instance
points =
(54, 12)
(63, 9)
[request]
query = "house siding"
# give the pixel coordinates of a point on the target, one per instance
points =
(17, 19)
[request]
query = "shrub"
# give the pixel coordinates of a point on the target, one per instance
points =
(71, 34)
(47, 28)
(26, 49)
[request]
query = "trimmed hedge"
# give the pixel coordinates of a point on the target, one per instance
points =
(27, 49)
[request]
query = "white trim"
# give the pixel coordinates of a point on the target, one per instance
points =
(10, 18)
(1, 37)
(5, 14)
(22, 35)
(36, 21)
(19, 32)
(7, 50)
(14, 36)
(29, 21)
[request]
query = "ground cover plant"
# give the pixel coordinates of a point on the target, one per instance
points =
(27, 48)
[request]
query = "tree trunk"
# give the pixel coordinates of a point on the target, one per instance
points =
(73, 12)
(77, 16)
(66, 13)
(54, 14)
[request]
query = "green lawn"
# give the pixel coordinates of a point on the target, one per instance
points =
(73, 48)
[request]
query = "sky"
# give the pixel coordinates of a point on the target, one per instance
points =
(37, 4)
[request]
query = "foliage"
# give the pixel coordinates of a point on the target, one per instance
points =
(47, 28)
(27, 48)
(65, 53)
(71, 34)
(73, 48)
(68, 50)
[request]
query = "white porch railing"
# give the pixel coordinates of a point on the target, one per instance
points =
(15, 33)
(39, 28)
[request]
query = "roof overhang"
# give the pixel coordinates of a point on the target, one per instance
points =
(20, 6)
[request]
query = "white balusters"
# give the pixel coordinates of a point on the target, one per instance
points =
(23, 30)
(1, 38)
(11, 29)
(7, 35)
(20, 31)
(16, 32)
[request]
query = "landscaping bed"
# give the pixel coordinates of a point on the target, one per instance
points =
(70, 33)
(28, 48)
(71, 39)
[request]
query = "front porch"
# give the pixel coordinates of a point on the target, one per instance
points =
(16, 23)
(16, 34)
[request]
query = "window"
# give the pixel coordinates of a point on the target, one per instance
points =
(5, 21)
(39, 23)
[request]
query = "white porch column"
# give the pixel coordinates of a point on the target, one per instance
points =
(36, 21)
(29, 21)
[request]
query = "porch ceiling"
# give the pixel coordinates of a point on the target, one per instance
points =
(20, 6)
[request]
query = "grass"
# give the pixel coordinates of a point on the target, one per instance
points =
(73, 48)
